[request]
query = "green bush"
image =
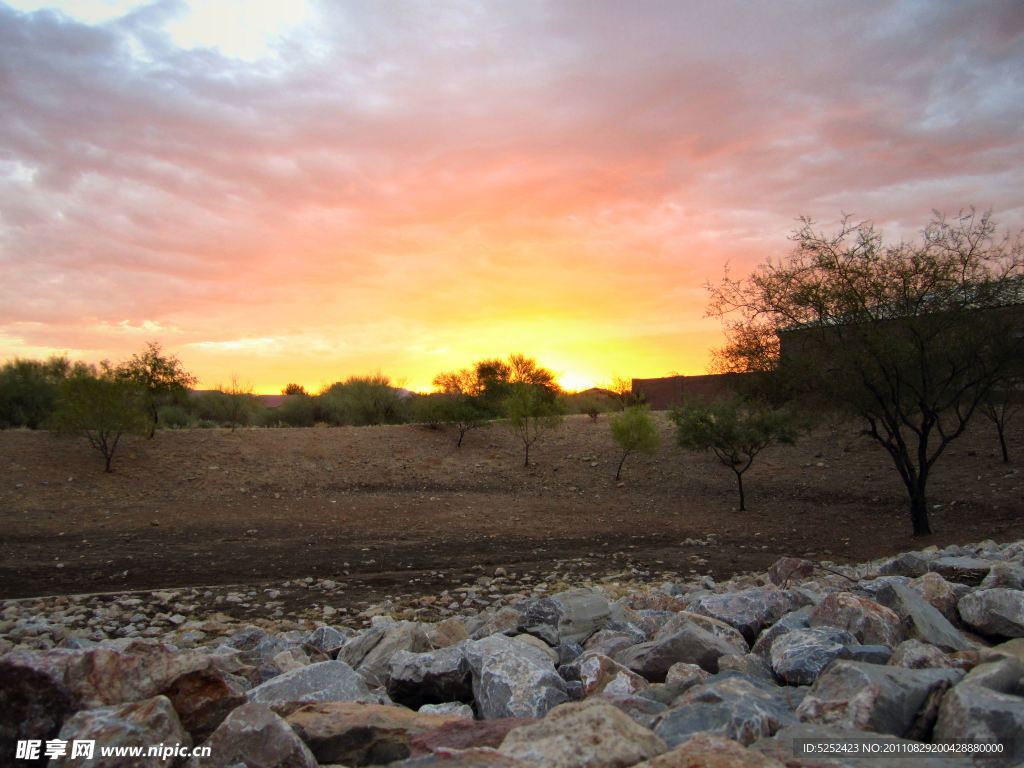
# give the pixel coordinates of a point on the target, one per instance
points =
(174, 416)
(28, 391)
(362, 401)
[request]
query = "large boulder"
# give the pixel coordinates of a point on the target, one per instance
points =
(466, 734)
(370, 654)
(252, 735)
(433, 677)
(203, 699)
(939, 593)
(986, 707)
(34, 701)
(144, 723)
(749, 610)
(869, 622)
(921, 620)
(588, 733)
(323, 681)
(871, 697)
(512, 679)
(688, 643)
(573, 615)
(798, 657)
(730, 705)
(996, 612)
(964, 569)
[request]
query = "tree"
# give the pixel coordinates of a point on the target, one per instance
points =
(622, 388)
(29, 390)
(160, 377)
(363, 401)
(293, 389)
(911, 338)
(734, 429)
(100, 406)
(460, 412)
(634, 430)
(1002, 404)
(531, 410)
(489, 381)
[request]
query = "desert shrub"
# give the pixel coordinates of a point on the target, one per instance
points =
(531, 410)
(634, 430)
(363, 401)
(298, 411)
(174, 416)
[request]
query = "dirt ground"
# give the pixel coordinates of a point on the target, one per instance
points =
(382, 506)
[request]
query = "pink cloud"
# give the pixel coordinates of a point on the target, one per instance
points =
(415, 174)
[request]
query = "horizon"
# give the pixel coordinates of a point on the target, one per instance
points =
(309, 191)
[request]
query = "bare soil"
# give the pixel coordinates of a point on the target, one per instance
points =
(380, 508)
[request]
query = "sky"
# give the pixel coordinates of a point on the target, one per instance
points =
(302, 192)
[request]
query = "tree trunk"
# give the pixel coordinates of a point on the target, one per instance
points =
(919, 512)
(618, 472)
(739, 483)
(1002, 442)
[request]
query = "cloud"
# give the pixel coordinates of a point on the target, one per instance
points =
(397, 170)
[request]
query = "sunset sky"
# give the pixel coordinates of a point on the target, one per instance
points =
(303, 192)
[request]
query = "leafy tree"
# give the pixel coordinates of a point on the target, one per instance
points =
(735, 430)
(634, 430)
(100, 406)
(29, 390)
(911, 338)
(294, 389)
(160, 377)
(622, 387)
(531, 410)
(489, 382)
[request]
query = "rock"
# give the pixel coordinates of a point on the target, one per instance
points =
(913, 654)
(793, 620)
(600, 675)
(986, 707)
(588, 733)
(717, 628)
(451, 631)
(749, 664)
(995, 612)
(572, 615)
(790, 570)
(689, 644)
(966, 570)
(466, 734)
(682, 672)
(505, 621)
(539, 644)
(729, 705)
(252, 735)
(323, 681)
(357, 733)
(868, 621)
(373, 663)
(437, 676)
(869, 654)
(920, 619)
(907, 564)
(456, 708)
(328, 639)
(1010, 649)
(870, 697)
(705, 750)
(610, 641)
(938, 593)
(33, 700)
(1005, 576)
(512, 679)
(203, 699)
(749, 610)
(799, 656)
(149, 722)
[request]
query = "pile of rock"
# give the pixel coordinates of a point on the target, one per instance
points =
(913, 650)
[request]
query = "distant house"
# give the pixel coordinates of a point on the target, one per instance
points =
(670, 391)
